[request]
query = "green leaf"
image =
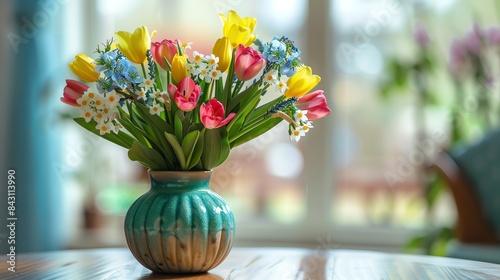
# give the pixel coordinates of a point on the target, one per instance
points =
(196, 155)
(122, 139)
(147, 157)
(158, 78)
(178, 124)
(248, 135)
(188, 146)
(177, 149)
(435, 187)
(414, 244)
(156, 127)
(215, 148)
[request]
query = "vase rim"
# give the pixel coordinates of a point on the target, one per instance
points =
(161, 175)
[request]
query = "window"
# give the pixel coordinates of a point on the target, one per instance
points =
(332, 184)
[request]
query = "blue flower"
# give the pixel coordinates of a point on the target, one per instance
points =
(274, 51)
(104, 85)
(106, 62)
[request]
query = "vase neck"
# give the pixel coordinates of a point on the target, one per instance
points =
(179, 181)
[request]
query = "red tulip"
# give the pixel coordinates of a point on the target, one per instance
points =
(248, 63)
(315, 104)
(73, 91)
(185, 94)
(165, 48)
(212, 114)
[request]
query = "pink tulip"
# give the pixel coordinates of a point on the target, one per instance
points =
(315, 104)
(185, 94)
(165, 48)
(248, 63)
(212, 114)
(73, 91)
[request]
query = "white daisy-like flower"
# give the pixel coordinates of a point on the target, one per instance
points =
(184, 45)
(300, 115)
(271, 77)
(142, 94)
(84, 102)
(112, 99)
(282, 87)
(197, 57)
(99, 102)
(296, 134)
(156, 109)
(203, 73)
(100, 117)
(147, 84)
(103, 127)
(212, 61)
(91, 94)
(307, 126)
(87, 115)
(213, 75)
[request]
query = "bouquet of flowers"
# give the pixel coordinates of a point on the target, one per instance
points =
(177, 109)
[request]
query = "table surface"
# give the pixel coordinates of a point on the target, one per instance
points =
(253, 263)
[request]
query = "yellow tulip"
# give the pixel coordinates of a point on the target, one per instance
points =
(302, 82)
(134, 45)
(83, 66)
(179, 69)
(222, 49)
(238, 30)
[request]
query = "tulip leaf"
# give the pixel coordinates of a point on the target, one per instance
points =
(121, 139)
(247, 135)
(147, 156)
(189, 145)
(215, 148)
(237, 122)
(178, 125)
(156, 127)
(177, 149)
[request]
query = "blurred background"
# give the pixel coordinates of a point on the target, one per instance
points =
(358, 181)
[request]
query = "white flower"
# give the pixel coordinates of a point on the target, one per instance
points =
(104, 127)
(306, 126)
(300, 115)
(112, 99)
(296, 134)
(87, 115)
(142, 95)
(213, 75)
(184, 46)
(197, 57)
(156, 109)
(271, 77)
(282, 87)
(147, 84)
(91, 94)
(212, 61)
(84, 101)
(203, 73)
(99, 102)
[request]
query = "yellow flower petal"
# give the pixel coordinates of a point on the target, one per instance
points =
(83, 66)
(222, 49)
(134, 45)
(179, 69)
(238, 30)
(302, 82)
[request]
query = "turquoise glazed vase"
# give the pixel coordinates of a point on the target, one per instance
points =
(179, 225)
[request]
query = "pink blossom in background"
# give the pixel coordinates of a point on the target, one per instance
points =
(421, 36)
